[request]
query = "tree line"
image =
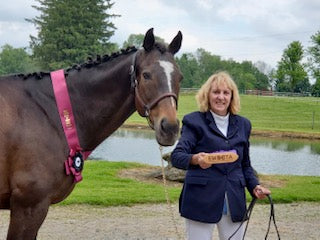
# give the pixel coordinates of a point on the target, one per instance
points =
(69, 37)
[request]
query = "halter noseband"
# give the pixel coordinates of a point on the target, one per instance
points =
(142, 107)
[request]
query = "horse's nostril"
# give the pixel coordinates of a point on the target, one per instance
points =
(169, 127)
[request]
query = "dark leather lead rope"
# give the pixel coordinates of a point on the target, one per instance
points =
(248, 213)
(272, 217)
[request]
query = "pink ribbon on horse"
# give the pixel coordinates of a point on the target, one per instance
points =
(67, 119)
(69, 166)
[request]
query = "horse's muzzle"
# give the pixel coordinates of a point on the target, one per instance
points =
(167, 132)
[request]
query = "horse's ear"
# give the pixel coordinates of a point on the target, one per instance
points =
(175, 45)
(148, 41)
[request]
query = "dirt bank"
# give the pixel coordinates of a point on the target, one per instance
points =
(261, 133)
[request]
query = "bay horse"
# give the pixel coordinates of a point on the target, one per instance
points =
(103, 93)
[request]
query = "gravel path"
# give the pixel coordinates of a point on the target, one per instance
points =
(298, 221)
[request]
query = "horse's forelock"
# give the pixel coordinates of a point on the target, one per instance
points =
(161, 47)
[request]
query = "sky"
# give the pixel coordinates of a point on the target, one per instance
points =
(254, 30)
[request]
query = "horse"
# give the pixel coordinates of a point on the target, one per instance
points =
(103, 92)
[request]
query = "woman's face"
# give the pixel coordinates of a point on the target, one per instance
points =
(220, 98)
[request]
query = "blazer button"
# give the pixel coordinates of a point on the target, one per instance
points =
(226, 141)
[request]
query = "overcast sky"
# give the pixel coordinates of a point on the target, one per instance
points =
(239, 29)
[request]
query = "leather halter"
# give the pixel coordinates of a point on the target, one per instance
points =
(142, 107)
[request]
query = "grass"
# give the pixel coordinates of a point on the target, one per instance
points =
(294, 188)
(282, 113)
(102, 186)
(285, 114)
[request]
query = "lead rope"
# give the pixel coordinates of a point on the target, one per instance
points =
(272, 217)
(165, 186)
(247, 216)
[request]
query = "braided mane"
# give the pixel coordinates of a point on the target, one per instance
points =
(105, 58)
(88, 64)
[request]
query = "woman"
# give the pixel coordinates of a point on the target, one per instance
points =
(214, 194)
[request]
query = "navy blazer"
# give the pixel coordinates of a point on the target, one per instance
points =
(203, 192)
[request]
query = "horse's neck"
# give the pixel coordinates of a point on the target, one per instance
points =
(101, 99)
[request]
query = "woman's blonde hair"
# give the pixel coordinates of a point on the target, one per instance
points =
(202, 96)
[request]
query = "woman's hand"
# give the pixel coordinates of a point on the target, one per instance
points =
(198, 159)
(261, 192)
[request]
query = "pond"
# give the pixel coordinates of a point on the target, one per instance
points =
(268, 155)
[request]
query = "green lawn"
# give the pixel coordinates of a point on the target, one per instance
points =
(102, 186)
(282, 113)
(285, 114)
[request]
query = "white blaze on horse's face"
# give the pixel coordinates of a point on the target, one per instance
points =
(168, 69)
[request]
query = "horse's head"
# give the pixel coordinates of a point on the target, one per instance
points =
(157, 82)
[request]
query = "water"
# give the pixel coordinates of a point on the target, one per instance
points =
(268, 155)
(291, 157)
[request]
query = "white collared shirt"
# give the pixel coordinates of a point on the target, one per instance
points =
(222, 122)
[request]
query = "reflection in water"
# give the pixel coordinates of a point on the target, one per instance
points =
(132, 145)
(315, 148)
(268, 155)
(288, 145)
(134, 133)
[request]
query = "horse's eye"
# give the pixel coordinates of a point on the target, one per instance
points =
(146, 75)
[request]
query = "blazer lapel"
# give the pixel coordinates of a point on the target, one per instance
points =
(212, 124)
(233, 126)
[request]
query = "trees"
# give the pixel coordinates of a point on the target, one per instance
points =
(71, 30)
(137, 40)
(315, 90)
(208, 63)
(14, 60)
(197, 67)
(257, 80)
(291, 75)
(314, 62)
(190, 69)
